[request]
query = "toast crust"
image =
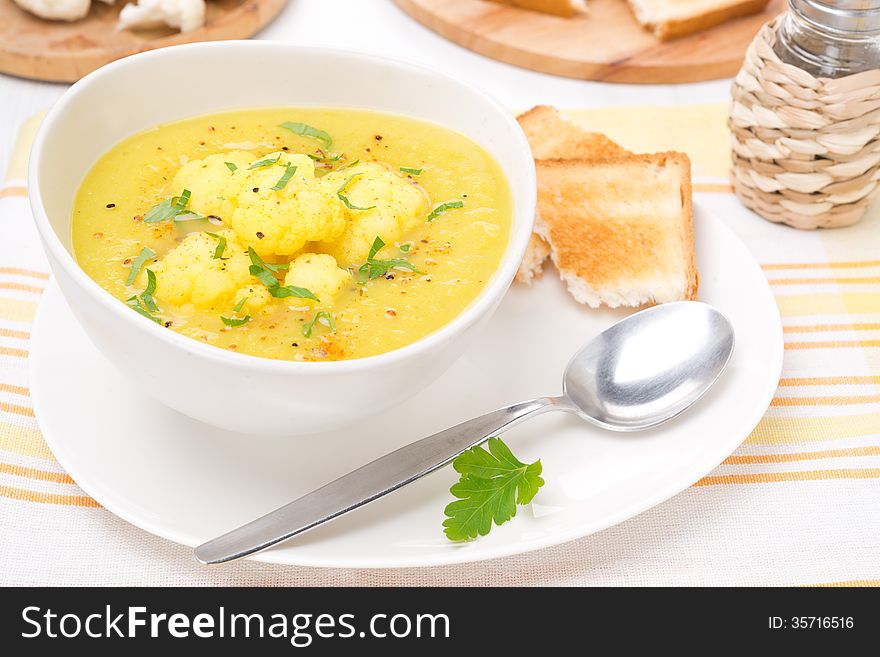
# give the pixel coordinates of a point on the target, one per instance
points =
(550, 135)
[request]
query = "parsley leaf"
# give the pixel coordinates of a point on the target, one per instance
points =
(221, 245)
(240, 305)
(324, 158)
(443, 207)
(231, 166)
(412, 172)
(147, 294)
(256, 260)
(259, 164)
(306, 130)
(172, 208)
(284, 291)
(144, 303)
(373, 268)
(344, 198)
(235, 322)
(492, 484)
(285, 177)
(324, 317)
(145, 254)
(264, 271)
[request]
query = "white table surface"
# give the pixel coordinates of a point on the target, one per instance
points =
(379, 26)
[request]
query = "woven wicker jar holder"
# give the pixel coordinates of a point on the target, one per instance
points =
(806, 150)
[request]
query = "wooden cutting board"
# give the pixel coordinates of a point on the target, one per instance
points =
(604, 44)
(31, 47)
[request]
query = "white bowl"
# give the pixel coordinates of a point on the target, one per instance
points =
(227, 389)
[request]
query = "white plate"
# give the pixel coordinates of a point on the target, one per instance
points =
(187, 482)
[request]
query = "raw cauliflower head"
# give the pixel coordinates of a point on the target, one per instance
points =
(318, 273)
(399, 204)
(279, 222)
(189, 274)
(210, 181)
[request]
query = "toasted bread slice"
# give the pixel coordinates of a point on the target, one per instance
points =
(565, 8)
(532, 265)
(620, 231)
(669, 19)
(552, 136)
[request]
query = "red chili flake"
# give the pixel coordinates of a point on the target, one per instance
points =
(233, 347)
(99, 235)
(127, 261)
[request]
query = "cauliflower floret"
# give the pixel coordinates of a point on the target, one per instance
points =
(256, 297)
(210, 181)
(57, 10)
(318, 273)
(399, 206)
(280, 222)
(189, 274)
(186, 15)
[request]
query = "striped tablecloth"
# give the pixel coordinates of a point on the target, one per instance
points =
(797, 504)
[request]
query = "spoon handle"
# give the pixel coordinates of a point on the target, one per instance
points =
(369, 482)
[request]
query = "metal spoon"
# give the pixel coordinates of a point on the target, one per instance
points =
(639, 373)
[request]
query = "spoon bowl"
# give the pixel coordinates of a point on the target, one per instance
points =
(649, 367)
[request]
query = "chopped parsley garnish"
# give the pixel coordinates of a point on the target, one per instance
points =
(443, 207)
(229, 321)
(324, 318)
(412, 172)
(221, 245)
(405, 247)
(269, 161)
(172, 208)
(257, 261)
(306, 130)
(349, 165)
(373, 268)
(147, 294)
(325, 159)
(231, 166)
(145, 254)
(492, 484)
(240, 305)
(285, 177)
(265, 272)
(344, 198)
(144, 302)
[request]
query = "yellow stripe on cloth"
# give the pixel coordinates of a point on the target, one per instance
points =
(852, 583)
(16, 310)
(8, 192)
(35, 473)
(777, 477)
(18, 162)
(670, 128)
(793, 305)
(792, 430)
(47, 498)
(790, 457)
(26, 441)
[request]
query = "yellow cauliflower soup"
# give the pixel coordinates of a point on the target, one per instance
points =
(296, 234)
